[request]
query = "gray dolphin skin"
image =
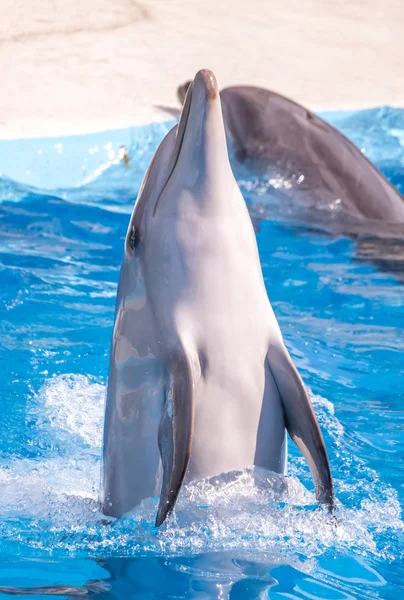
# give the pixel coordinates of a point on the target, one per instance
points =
(274, 132)
(200, 380)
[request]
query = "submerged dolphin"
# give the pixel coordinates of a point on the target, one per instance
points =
(200, 380)
(319, 162)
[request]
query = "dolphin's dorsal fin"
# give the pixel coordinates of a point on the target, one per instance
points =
(175, 432)
(301, 422)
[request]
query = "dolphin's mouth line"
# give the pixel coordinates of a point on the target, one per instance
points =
(181, 129)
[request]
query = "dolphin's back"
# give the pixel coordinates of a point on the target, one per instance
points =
(275, 132)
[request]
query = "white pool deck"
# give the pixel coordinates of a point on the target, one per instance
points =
(71, 66)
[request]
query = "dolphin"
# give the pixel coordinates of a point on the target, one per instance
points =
(324, 169)
(200, 381)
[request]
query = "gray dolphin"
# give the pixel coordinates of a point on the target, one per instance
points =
(326, 169)
(200, 380)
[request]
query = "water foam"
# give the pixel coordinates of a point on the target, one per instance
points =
(51, 503)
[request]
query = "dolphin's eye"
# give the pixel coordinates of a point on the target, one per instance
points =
(133, 239)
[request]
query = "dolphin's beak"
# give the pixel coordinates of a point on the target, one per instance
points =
(206, 83)
(202, 94)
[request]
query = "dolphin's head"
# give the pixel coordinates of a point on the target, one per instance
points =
(193, 156)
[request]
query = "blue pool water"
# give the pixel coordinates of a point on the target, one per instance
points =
(64, 206)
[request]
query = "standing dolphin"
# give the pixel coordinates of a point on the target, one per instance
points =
(200, 380)
(319, 162)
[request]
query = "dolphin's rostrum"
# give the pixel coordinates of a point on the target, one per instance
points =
(200, 380)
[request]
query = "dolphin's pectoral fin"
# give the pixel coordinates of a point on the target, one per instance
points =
(301, 422)
(175, 433)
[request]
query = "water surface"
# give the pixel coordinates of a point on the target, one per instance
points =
(64, 208)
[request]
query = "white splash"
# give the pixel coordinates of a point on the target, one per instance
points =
(51, 503)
